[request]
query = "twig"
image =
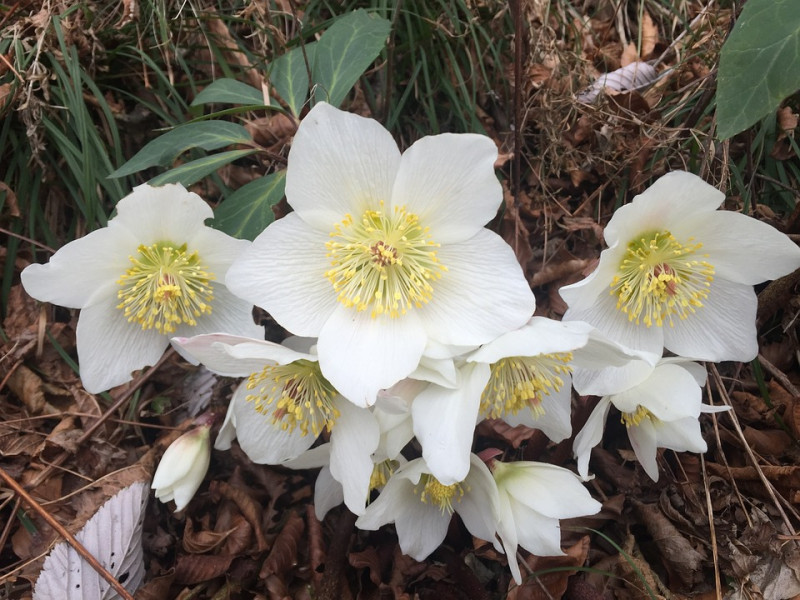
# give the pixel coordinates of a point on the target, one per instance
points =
(102, 419)
(767, 485)
(79, 548)
(779, 375)
(712, 530)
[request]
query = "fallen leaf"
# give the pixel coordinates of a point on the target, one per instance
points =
(284, 549)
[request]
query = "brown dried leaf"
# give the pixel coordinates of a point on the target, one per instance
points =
(200, 542)
(649, 35)
(682, 561)
(239, 538)
(249, 507)
(499, 429)
(194, 568)
(772, 442)
(28, 387)
(367, 559)
(553, 584)
(284, 549)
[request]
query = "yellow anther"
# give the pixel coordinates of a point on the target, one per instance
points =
(165, 287)
(434, 492)
(299, 394)
(659, 279)
(383, 262)
(635, 418)
(520, 382)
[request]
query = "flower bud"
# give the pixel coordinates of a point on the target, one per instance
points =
(183, 467)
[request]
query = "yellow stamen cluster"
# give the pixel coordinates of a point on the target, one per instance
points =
(659, 279)
(165, 287)
(433, 492)
(383, 262)
(297, 394)
(381, 473)
(521, 381)
(635, 418)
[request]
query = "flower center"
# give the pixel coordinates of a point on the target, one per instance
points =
(659, 278)
(635, 418)
(297, 394)
(383, 262)
(433, 492)
(165, 287)
(520, 382)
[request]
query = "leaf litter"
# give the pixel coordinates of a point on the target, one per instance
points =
(727, 521)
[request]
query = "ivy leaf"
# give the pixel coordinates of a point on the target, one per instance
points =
(759, 64)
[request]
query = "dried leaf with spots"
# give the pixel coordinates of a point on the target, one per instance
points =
(634, 76)
(284, 549)
(194, 568)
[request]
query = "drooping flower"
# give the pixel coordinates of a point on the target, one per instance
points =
(384, 252)
(155, 271)
(421, 507)
(533, 497)
(284, 405)
(183, 467)
(678, 273)
(660, 408)
(531, 372)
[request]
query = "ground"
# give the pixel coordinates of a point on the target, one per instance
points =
(83, 86)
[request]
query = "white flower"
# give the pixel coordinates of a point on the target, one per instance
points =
(533, 497)
(421, 507)
(156, 270)
(284, 405)
(384, 253)
(531, 368)
(679, 274)
(183, 467)
(660, 408)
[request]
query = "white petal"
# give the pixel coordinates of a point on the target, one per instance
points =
(229, 314)
(313, 458)
(234, 356)
(601, 352)
(643, 442)
(555, 423)
(339, 164)
(110, 348)
(265, 442)
(611, 380)
(444, 423)
(482, 295)
(737, 247)
(283, 272)
(187, 488)
(167, 213)
(328, 493)
(672, 198)
(441, 371)
(683, 435)
(448, 180)
(538, 336)
(670, 393)
(227, 433)
(723, 329)
(507, 530)
(538, 534)
(590, 436)
(84, 271)
(216, 250)
(360, 355)
(478, 507)
(354, 438)
(582, 295)
(548, 489)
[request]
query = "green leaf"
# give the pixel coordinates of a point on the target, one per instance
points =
(759, 64)
(208, 135)
(345, 51)
(289, 75)
(247, 212)
(195, 170)
(229, 91)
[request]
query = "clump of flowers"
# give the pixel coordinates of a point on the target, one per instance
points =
(154, 272)
(418, 325)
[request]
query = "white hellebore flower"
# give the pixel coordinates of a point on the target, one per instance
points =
(533, 497)
(678, 273)
(155, 271)
(284, 405)
(660, 408)
(421, 507)
(384, 252)
(183, 467)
